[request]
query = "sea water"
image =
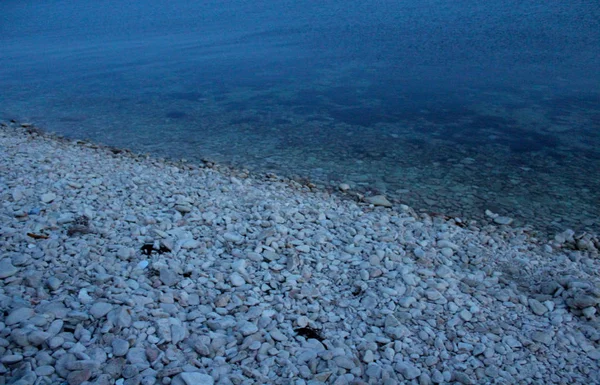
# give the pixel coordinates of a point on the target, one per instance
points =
(453, 107)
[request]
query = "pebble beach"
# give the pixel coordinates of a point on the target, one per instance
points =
(120, 268)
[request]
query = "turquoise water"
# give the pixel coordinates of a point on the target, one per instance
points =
(451, 107)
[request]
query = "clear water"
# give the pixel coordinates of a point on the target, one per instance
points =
(452, 107)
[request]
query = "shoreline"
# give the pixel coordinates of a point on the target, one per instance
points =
(360, 193)
(122, 267)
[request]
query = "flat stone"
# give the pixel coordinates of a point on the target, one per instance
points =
(19, 315)
(119, 347)
(137, 357)
(79, 376)
(168, 277)
(344, 362)
(277, 335)
(120, 316)
(433, 295)
(237, 280)
(11, 358)
(542, 337)
(100, 309)
(194, 378)
(48, 197)
(503, 220)
(594, 354)
(38, 337)
(53, 283)
(379, 200)
(408, 370)
(537, 307)
(233, 237)
(462, 378)
(44, 370)
(465, 315)
(248, 328)
(7, 269)
(303, 248)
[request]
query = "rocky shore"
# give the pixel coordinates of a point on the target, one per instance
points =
(117, 268)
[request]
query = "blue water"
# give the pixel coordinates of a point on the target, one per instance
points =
(454, 107)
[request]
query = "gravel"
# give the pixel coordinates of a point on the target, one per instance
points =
(119, 268)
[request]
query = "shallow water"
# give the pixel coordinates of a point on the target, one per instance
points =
(449, 108)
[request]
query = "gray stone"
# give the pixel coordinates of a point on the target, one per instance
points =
(11, 358)
(48, 197)
(100, 309)
(168, 277)
(119, 347)
(79, 376)
(120, 316)
(7, 269)
(137, 357)
(465, 315)
(19, 315)
(594, 354)
(236, 279)
(373, 371)
(537, 307)
(53, 283)
(44, 370)
(38, 337)
(408, 370)
(248, 328)
(503, 220)
(378, 200)
(542, 337)
(462, 378)
(344, 362)
(194, 378)
(277, 335)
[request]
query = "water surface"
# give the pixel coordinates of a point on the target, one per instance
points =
(452, 107)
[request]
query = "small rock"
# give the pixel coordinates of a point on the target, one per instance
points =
(100, 309)
(120, 347)
(581, 301)
(53, 283)
(379, 200)
(79, 376)
(194, 378)
(344, 187)
(537, 307)
(48, 197)
(408, 370)
(168, 277)
(277, 335)
(303, 248)
(248, 328)
(10, 359)
(236, 279)
(433, 295)
(503, 220)
(19, 315)
(233, 237)
(344, 362)
(45, 370)
(7, 269)
(465, 315)
(594, 354)
(38, 337)
(462, 378)
(542, 337)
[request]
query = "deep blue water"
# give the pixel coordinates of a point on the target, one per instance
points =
(391, 96)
